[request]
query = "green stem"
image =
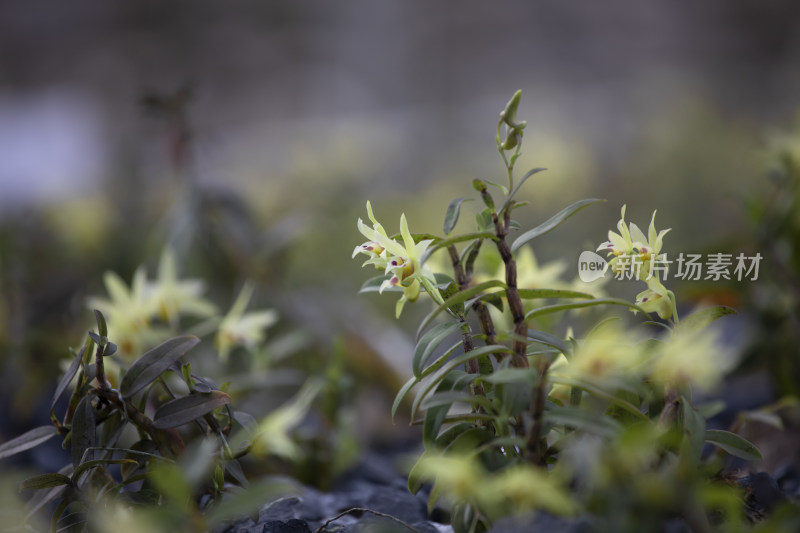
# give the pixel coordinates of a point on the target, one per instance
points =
(671, 295)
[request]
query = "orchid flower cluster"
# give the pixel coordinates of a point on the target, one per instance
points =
(544, 407)
(402, 261)
(631, 250)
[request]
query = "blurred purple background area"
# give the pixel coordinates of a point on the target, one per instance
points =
(397, 89)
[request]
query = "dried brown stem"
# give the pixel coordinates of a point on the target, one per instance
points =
(473, 366)
(518, 358)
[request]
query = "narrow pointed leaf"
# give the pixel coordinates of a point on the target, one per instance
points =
(532, 294)
(429, 342)
(458, 298)
(547, 339)
(450, 366)
(700, 319)
(599, 391)
(694, 430)
(505, 376)
(44, 497)
(455, 240)
(451, 217)
(546, 310)
(584, 420)
(518, 186)
(148, 367)
(416, 476)
(88, 465)
(442, 359)
(66, 379)
(187, 408)
(45, 481)
(26, 441)
(468, 442)
(102, 329)
(733, 444)
(554, 221)
(84, 431)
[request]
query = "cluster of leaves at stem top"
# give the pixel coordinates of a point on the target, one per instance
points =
(516, 418)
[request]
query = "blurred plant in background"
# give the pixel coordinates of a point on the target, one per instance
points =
(145, 425)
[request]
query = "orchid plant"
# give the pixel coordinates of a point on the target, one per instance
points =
(503, 411)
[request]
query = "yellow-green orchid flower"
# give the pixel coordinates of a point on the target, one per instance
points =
(129, 312)
(175, 297)
(630, 245)
(243, 329)
(656, 299)
(402, 261)
(692, 357)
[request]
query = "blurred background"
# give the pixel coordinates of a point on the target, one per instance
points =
(249, 135)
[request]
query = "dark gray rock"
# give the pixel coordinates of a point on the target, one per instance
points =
(291, 526)
(281, 510)
(396, 502)
(762, 493)
(542, 522)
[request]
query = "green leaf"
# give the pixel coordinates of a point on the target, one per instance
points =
(530, 294)
(485, 222)
(416, 476)
(44, 497)
(26, 441)
(451, 365)
(45, 481)
(111, 349)
(554, 221)
(546, 310)
(84, 430)
(516, 189)
(170, 481)
(702, 318)
(501, 187)
(509, 375)
(188, 408)
(448, 398)
(102, 329)
(583, 420)
(547, 339)
(597, 390)
(460, 297)
(468, 442)
(451, 217)
(733, 444)
(694, 430)
(514, 398)
(402, 394)
(455, 240)
(88, 465)
(434, 417)
(148, 367)
(112, 428)
(66, 379)
(439, 361)
(492, 298)
(429, 342)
